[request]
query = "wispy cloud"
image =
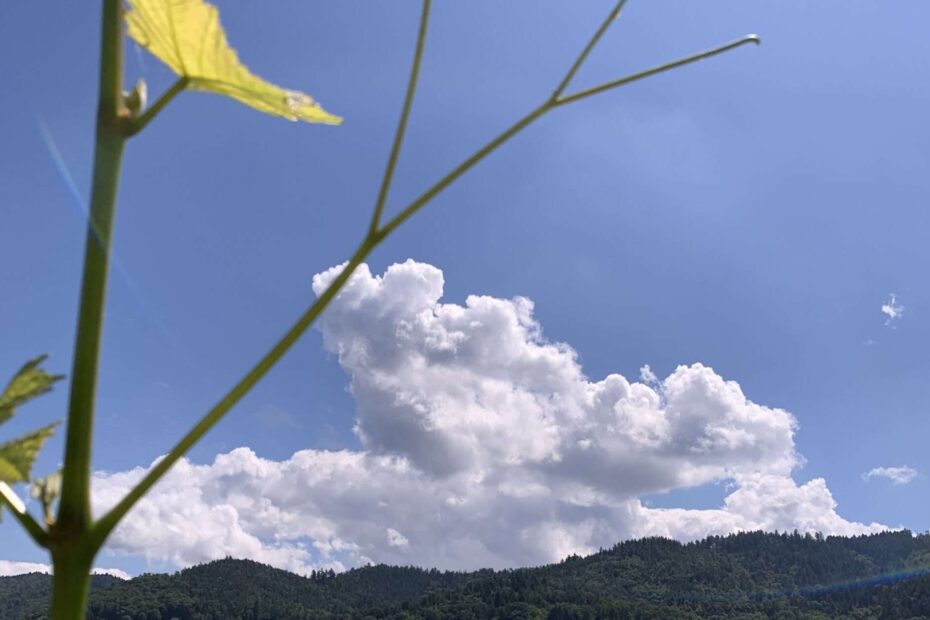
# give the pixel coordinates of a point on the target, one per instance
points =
(897, 475)
(647, 376)
(273, 417)
(892, 309)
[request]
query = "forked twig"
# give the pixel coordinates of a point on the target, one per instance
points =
(377, 233)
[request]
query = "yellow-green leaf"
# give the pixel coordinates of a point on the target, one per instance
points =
(17, 456)
(29, 382)
(187, 36)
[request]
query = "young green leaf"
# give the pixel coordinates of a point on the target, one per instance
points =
(17, 456)
(47, 490)
(187, 36)
(29, 382)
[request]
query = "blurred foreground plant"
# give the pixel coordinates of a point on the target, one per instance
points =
(187, 36)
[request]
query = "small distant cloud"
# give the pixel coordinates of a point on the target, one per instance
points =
(396, 539)
(273, 417)
(869, 342)
(113, 572)
(892, 309)
(897, 475)
(8, 569)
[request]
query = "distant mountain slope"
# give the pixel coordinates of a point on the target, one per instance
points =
(26, 596)
(230, 589)
(749, 576)
(245, 589)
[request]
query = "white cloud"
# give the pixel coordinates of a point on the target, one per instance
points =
(897, 475)
(276, 418)
(892, 309)
(114, 572)
(484, 444)
(396, 539)
(8, 569)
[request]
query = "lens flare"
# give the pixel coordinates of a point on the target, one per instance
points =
(77, 200)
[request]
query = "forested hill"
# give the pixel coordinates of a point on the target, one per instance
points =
(748, 576)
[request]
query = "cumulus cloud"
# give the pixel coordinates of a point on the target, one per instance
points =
(8, 569)
(897, 475)
(892, 309)
(483, 444)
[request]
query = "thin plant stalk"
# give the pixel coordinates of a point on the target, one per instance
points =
(613, 16)
(402, 123)
(687, 60)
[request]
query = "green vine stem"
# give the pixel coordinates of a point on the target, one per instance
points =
(68, 538)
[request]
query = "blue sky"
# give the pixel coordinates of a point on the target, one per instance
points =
(751, 213)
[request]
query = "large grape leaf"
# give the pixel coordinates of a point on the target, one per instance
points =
(187, 36)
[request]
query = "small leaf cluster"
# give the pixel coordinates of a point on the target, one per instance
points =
(18, 455)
